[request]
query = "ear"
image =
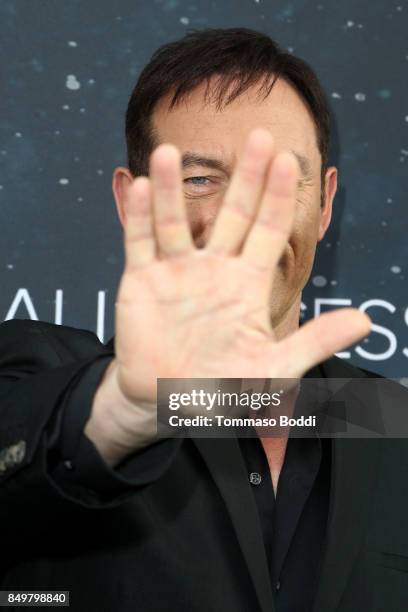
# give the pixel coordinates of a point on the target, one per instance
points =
(330, 188)
(121, 181)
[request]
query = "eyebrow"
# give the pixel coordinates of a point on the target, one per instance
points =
(195, 159)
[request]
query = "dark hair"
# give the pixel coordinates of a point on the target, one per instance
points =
(240, 57)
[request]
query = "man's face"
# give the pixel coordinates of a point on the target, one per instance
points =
(200, 131)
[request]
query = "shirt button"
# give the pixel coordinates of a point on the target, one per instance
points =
(255, 478)
(278, 585)
(68, 464)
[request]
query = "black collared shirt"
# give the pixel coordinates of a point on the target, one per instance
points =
(293, 523)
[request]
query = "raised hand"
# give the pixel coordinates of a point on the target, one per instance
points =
(183, 312)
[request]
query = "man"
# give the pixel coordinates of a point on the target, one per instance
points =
(227, 193)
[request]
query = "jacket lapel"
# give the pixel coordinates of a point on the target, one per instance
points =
(353, 478)
(227, 468)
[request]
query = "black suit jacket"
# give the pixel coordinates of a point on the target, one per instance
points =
(187, 537)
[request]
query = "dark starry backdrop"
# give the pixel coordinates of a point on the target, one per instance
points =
(67, 71)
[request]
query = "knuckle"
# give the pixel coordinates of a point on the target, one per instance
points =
(251, 172)
(240, 205)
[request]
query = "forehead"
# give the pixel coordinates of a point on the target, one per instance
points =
(195, 124)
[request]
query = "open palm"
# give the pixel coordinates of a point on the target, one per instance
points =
(183, 312)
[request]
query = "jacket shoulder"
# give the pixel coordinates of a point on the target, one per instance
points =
(27, 340)
(391, 389)
(340, 368)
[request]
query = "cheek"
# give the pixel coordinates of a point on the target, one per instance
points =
(304, 238)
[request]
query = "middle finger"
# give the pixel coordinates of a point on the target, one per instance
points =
(241, 200)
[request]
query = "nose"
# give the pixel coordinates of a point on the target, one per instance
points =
(202, 218)
(200, 237)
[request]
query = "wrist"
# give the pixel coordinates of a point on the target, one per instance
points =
(118, 426)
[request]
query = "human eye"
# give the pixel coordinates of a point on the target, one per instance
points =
(197, 178)
(200, 186)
